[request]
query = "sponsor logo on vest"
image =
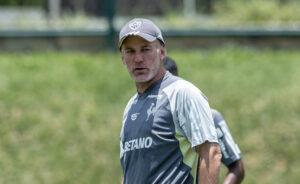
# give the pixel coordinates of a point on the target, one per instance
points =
(134, 116)
(138, 143)
(151, 111)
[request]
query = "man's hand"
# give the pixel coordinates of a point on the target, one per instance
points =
(209, 166)
(235, 174)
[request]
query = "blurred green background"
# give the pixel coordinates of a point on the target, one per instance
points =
(61, 112)
(90, 14)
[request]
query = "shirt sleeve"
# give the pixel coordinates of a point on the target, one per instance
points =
(229, 148)
(192, 115)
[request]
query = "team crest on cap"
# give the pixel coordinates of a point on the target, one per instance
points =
(135, 25)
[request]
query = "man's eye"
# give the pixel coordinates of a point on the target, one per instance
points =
(129, 51)
(146, 49)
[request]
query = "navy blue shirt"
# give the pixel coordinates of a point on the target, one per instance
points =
(160, 129)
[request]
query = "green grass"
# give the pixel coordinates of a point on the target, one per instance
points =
(271, 14)
(264, 11)
(61, 113)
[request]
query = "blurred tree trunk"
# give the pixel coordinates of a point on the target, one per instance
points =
(54, 8)
(189, 8)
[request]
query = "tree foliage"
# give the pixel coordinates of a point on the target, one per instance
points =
(21, 2)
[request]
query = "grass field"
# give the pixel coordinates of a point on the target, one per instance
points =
(60, 113)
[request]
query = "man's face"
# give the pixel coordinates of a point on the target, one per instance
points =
(143, 59)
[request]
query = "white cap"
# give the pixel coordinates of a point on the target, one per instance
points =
(140, 27)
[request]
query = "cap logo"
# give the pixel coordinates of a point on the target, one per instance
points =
(135, 25)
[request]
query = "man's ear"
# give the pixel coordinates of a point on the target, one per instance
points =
(163, 52)
(123, 60)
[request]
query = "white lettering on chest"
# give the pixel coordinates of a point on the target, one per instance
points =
(138, 143)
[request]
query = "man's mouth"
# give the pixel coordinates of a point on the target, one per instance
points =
(140, 69)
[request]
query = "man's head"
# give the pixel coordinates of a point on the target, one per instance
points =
(142, 48)
(170, 65)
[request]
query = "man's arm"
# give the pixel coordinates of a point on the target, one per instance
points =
(235, 174)
(209, 166)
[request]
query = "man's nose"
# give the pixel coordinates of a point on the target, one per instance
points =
(138, 57)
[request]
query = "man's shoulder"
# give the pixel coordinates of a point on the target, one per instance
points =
(130, 102)
(215, 112)
(180, 85)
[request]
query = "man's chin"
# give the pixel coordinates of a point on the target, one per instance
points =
(140, 79)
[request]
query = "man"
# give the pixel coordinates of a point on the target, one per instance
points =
(167, 124)
(231, 154)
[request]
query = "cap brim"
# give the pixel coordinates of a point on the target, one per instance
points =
(145, 36)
